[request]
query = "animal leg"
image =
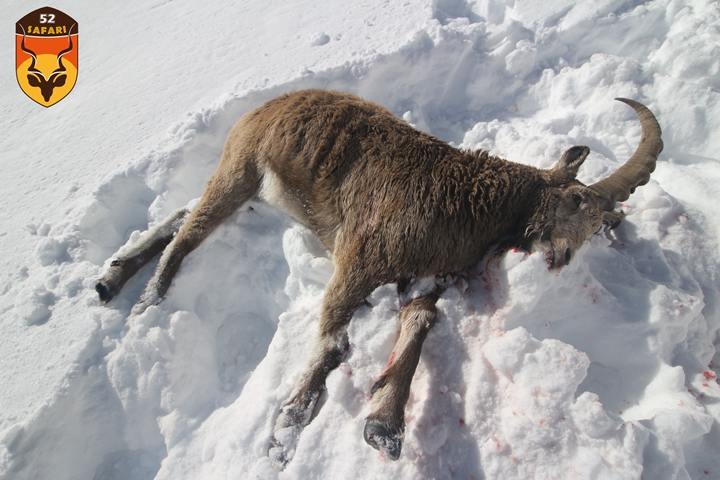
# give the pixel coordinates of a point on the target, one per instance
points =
(345, 293)
(126, 265)
(225, 193)
(385, 426)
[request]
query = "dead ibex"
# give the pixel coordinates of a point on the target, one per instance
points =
(390, 203)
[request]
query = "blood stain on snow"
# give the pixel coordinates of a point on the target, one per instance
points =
(710, 375)
(498, 445)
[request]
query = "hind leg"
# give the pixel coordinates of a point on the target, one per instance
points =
(234, 183)
(124, 266)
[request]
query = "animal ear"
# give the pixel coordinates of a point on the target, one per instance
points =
(569, 164)
(33, 80)
(59, 81)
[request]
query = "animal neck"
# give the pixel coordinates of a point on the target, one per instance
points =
(508, 187)
(484, 200)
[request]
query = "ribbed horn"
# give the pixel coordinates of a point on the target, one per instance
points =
(636, 171)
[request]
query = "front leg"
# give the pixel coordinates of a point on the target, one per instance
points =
(385, 425)
(346, 292)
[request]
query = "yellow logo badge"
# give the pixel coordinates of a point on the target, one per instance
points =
(46, 55)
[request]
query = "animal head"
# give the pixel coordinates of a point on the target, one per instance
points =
(56, 78)
(569, 212)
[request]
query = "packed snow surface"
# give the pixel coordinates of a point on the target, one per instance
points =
(606, 369)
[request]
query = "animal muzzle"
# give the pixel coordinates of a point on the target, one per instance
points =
(558, 256)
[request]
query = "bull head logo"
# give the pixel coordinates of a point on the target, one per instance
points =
(46, 55)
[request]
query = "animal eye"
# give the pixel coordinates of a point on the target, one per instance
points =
(577, 198)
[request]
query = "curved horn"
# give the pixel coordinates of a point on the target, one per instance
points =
(67, 50)
(31, 68)
(61, 68)
(636, 171)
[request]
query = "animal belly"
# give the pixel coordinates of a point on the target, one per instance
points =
(274, 192)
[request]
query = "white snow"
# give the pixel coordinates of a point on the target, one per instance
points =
(607, 369)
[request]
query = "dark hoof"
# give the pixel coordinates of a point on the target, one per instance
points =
(387, 441)
(105, 294)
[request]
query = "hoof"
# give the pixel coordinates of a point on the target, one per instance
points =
(105, 293)
(148, 298)
(282, 446)
(278, 455)
(113, 280)
(290, 422)
(140, 307)
(387, 441)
